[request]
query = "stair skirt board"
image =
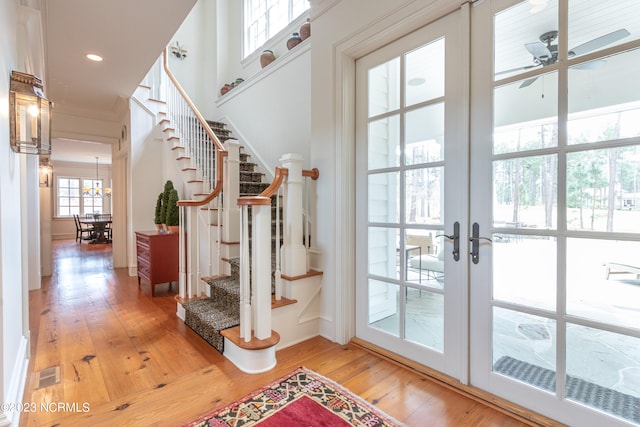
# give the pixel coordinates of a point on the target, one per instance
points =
(208, 317)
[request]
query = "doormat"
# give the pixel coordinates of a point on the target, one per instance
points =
(302, 398)
(579, 390)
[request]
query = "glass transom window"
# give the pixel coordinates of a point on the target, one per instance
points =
(263, 19)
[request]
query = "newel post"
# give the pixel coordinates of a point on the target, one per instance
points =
(294, 253)
(230, 194)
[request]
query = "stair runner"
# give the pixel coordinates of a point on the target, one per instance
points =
(209, 316)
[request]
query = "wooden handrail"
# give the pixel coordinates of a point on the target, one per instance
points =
(314, 173)
(264, 198)
(201, 119)
(219, 181)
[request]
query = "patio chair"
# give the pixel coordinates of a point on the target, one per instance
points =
(429, 259)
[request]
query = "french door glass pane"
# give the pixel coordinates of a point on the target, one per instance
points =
(519, 26)
(424, 75)
(384, 87)
(619, 25)
(524, 347)
(384, 143)
(526, 114)
(603, 280)
(525, 192)
(524, 270)
(424, 196)
(383, 306)
(424, 258)
(383, 252)
(610, 381)
(424, 134)
(598, 110)
(384, 197)
(424, 318)
(603, 190)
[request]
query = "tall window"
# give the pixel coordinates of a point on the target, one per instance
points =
(72, 201)
(263, 19)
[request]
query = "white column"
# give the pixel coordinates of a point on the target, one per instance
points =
(294, 254)
(261, 255)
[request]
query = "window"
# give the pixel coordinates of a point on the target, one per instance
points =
(263, 19)
(72, 201)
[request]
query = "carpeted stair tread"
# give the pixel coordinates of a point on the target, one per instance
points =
(207, 317)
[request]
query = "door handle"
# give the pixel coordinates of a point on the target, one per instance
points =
(475, 243)
(456, 240)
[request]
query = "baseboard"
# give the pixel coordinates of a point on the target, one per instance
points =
(17, 384)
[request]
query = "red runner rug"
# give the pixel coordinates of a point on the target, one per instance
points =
(302, 398)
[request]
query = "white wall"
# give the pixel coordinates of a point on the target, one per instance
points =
(196, 73)
(271, 110)
(13, 288)
(146, 172)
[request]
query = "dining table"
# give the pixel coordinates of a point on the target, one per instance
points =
(99, 228)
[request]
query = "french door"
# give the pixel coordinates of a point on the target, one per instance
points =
(412, 197)
(555, 164)
(539, 301)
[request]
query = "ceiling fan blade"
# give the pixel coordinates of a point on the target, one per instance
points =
(599, 42)
(528, 82)
(538, 50)
(591, 65)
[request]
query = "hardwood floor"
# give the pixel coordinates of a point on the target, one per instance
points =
(125, 359)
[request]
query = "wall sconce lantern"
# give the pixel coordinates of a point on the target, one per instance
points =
(30, 115)
(178, 51)
(46, 172)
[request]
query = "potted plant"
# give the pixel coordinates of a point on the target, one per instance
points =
(173, 216)
(157, 219)
(168, 186)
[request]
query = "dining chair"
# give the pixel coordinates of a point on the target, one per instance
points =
(107, 228)
(81, 230)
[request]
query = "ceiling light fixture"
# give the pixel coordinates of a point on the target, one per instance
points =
(416, 81)
(95, 190)
(94, 57)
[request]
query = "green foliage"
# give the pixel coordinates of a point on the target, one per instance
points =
(168, 186)
(173, 216)
(157, 219)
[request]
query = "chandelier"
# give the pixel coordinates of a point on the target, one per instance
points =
(95, 190)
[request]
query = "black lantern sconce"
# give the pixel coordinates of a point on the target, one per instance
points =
(30, 115)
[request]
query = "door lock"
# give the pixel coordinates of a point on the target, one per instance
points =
(456, 240)
(475, 242)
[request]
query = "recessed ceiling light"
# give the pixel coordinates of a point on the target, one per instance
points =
(416, 81)
(94, 57)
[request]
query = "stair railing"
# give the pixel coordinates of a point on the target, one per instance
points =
(206, 155)
(256, 244)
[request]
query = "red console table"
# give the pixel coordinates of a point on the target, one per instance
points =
(157, 255)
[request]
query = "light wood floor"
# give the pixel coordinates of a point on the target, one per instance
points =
(127, 360)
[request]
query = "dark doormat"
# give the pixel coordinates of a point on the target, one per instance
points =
(594, 395)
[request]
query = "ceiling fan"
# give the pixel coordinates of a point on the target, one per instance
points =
(546, 53)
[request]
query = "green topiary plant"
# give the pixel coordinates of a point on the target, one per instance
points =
(173, 215)
(168, 186)
(157, 219)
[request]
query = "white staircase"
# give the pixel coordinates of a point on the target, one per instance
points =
(211, 224)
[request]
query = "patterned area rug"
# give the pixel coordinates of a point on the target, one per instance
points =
(302, 398)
